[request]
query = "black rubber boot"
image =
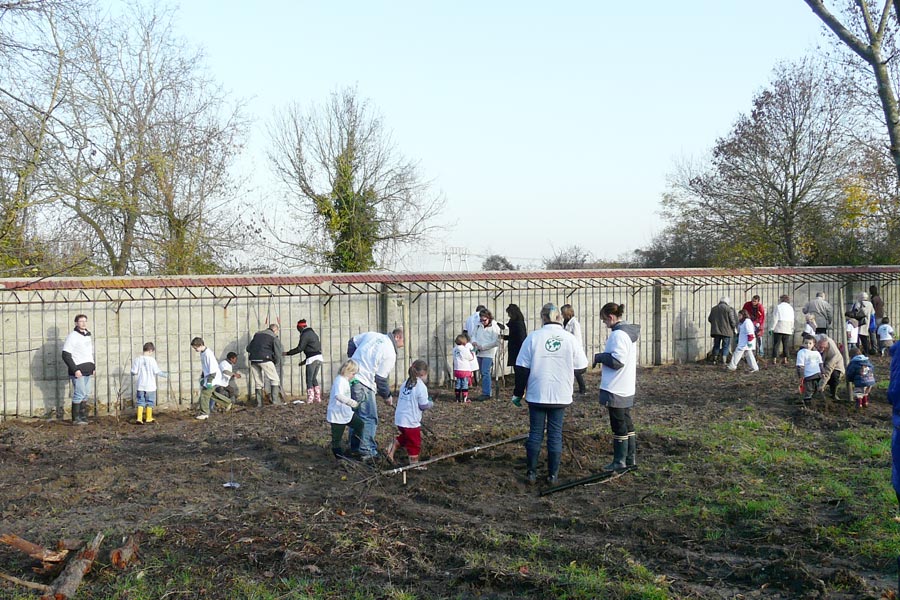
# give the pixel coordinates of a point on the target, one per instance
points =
(259, 398)
(276, 394)
(82, 414)
(632, 447)
(75, 413)
(620, 450)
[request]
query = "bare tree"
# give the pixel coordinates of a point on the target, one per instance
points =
(148, 142)
(761, 197)
(870, 31)
(32, 60)
(359, 203)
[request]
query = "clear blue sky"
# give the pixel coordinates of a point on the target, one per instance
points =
(543, 124)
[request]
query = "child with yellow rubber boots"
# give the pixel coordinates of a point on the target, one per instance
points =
(146, 369)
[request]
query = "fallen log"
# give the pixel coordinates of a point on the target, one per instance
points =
(452, 454)
(65, 586)
(50, 559)
(122, 557)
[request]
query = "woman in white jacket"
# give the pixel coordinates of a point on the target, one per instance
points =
(544, 369)
(571, 324)
(618, 383)
(486, 340)
(782, 328)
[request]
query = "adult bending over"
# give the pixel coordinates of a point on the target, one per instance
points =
(544, 372)
(376, 355)
(265, 354)
(618, 382)
(833, 365)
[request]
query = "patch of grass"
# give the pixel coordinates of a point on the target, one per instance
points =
(865, 443)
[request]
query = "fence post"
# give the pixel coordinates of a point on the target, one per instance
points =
(657, 322)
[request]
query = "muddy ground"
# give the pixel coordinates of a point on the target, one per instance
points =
(298, 513)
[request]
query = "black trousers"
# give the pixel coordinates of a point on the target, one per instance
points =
(620, 421)
(579, 378)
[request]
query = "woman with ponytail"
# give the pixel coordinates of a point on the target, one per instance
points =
(618, 382)
(412, 400)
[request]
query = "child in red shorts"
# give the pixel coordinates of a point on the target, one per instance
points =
(463, 357)
(412, 400)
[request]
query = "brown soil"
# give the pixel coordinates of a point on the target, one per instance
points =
(299, 513)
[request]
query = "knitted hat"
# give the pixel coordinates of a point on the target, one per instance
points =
(301, 324)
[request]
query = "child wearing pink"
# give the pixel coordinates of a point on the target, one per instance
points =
(463, 357)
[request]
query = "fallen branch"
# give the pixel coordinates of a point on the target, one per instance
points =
(452, 454)
(29, 584)
(596, 479)
(50, 559)
(65, 586)
(122, 557)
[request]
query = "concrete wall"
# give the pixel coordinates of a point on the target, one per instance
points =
(123, 314)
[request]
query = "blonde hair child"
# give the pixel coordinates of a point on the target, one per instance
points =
(341, 411)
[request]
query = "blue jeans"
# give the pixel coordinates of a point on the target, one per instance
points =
(484, 365)
(721, 345)
(368, 414)
(146, 398)
(540, 415)
(81, 388)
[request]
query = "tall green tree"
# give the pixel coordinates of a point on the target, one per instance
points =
(357, 203)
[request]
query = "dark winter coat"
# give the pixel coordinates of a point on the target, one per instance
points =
(265, 347)
(515, 336)
(309, 344)
(722, 320)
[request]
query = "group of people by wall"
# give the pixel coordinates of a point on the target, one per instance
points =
(547, 363)
(865, 323)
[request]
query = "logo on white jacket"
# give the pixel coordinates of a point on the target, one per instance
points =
(553, 344)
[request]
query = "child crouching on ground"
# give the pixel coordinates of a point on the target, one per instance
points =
(413, 399)
(746, 343)
(861, 374)
(146, 369)
(340, 411)
(462, 367)
(809, 368)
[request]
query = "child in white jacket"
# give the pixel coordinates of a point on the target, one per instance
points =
(463, 357)
(340, 411)
(146, 369)
(746, 343)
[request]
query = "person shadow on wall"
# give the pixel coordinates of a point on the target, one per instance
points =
(49, 374)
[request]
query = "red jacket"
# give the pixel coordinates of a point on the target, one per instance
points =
(757, 314)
